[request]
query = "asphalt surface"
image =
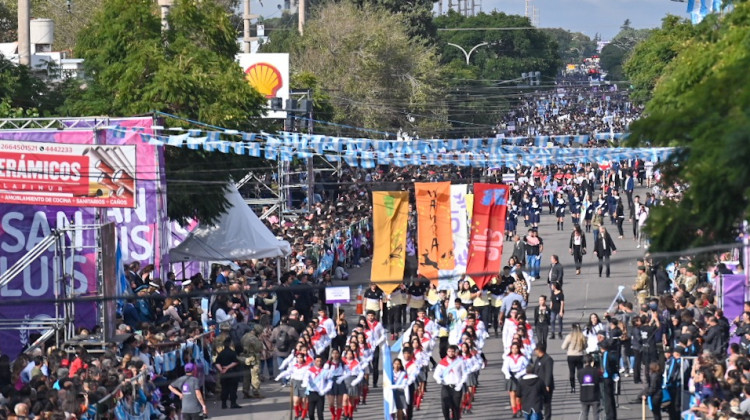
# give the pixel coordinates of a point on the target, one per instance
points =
(584, 294)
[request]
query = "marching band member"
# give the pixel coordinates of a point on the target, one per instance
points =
(297, 372)
(514, 366)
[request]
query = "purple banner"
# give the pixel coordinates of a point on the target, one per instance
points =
(23, 226)
(733, 295)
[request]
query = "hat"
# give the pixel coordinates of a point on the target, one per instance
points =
(189, 367)
(141, 288)
(154, 284)
(187, 282)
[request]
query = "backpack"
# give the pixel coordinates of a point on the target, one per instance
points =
(284, 341)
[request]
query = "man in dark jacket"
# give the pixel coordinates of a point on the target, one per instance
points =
(590, 379)
(604, 247)
(531, 390)
(712, 338)
(541, 320)
(555, 271)
(544, 368)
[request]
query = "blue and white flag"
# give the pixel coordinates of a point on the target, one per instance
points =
(389, 404)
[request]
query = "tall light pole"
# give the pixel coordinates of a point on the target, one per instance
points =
(471, 51)
(24, 33)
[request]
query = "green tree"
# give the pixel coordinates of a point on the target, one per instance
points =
(478, 92)
(375, 75)
(8, 23)
(615, 53)
(701, 103)
(416, 13)
(189, 71)
(573, 47)
(649, 58)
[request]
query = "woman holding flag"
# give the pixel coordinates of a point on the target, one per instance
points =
(399, 387)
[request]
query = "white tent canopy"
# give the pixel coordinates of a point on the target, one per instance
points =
(237, 235)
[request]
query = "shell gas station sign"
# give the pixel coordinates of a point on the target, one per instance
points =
(269, 75)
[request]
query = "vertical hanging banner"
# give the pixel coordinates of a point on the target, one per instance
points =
(459, 227)
(390, 212)
(435, 238)
(487, 230)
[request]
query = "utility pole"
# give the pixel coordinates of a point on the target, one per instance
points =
(247, 40)
(24, 33)
(301, 13)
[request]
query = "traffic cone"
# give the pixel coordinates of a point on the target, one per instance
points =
(360, 307)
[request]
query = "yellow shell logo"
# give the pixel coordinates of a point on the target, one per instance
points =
(265, 78)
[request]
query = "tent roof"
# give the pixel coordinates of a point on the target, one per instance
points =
(237, 235)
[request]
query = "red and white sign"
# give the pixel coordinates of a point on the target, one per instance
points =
(67, 174)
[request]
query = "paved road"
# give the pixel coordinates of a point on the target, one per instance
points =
(584, 294)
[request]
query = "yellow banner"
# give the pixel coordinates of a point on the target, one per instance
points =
(390, 213)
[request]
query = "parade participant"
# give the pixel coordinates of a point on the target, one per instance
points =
(575, 346)
(376, 336)
(593, 328)
(396, 306)
(481, 302)
(465, 294)
(589, 378)
(374, 298)
(557, 310)
(365, 356)
(519, 249)
(317, 383)
(541, 320)
(510, 327)
(560, 206)
(531, 393)
(422, 359)
(297, 372)
(450, 373)
(544, 367)
(334, 370)
(187, 389)
(353, 375)
(412, 372)
(604, 248)
(495, 291)
(577, 247)
(514, 366)
(534, 248)
(252, 346)
(399, 388)
(555, 271)
(474, 364)
(416, 298)
(511, 220)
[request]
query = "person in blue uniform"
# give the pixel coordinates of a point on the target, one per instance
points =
(560, 206)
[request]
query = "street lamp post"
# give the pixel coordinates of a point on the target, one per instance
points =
(471, 51)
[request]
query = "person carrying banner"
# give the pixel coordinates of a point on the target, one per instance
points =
(374, 298)
(451, 374)
(416, 298)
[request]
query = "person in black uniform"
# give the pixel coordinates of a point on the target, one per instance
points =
(610, 365)
(496, 290)
(604, 248)
(415, 300)
(590, 380)
(531, 390)
(544, 368)
(228, 365)
(541, 320)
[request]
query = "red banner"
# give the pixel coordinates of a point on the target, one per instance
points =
(435, 235)
(487, 232)
(67, 174)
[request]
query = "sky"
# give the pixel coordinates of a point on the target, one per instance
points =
(588, 16)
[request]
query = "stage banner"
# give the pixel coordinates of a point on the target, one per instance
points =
(733, 296)
(390, 212)
(487, 231)
(22, 226)
(76, 175)
(459, 227)
(434, 236)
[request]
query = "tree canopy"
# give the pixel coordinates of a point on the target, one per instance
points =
(615, 53)
(189, 71)
(375, 75)
(701, 103)
(572, 47)
(649, 58)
